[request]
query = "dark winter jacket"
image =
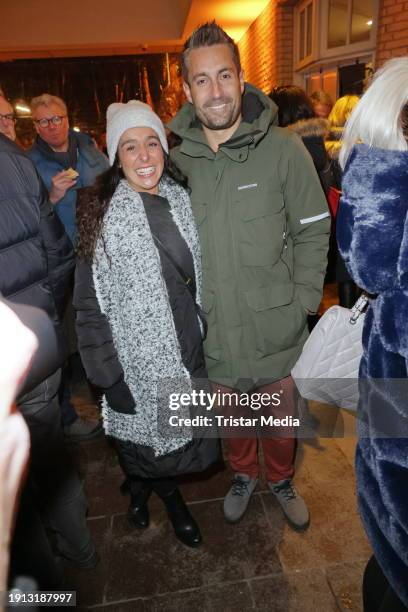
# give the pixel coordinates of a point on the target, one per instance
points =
(90, 163)
(264, 226)
(36, 256)
(313, 133)
(372, 229)
(125, 335)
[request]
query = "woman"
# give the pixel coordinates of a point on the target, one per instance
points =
(347, 290)
(372, 230)
(296, 112)
(322, 103)
(339, 114)
(138, 323)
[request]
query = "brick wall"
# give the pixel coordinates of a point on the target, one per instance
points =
(267, 47)
(392, 37)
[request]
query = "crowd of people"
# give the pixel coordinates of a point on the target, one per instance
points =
(197, 268)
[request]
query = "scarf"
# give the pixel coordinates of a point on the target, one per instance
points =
(133, 295)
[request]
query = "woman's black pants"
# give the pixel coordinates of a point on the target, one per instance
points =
(161, 486)
(378, 596)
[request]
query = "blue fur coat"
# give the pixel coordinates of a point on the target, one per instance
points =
(372, 232)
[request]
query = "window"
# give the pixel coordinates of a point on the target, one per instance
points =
(338, 16)
(350, 21)
(361, 20)
(305, 31)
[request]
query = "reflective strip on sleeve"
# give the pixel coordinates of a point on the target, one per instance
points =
(315, 218)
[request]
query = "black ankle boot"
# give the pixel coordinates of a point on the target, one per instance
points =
(138, 511)
(185, 527)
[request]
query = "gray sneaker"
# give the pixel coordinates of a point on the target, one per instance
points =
(292, 504)
(237, 498)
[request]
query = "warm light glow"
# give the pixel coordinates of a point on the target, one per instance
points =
(370, 22)
(22, 108)
(76, 129)
(235, 16)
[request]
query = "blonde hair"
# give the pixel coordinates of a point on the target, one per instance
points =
(380, 119)
(321, 97)
(342, 110)
(46, 100)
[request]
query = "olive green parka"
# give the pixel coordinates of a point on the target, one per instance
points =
(264, 228)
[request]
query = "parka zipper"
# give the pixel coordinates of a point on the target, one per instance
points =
(284, 248)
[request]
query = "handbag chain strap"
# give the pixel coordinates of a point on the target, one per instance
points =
(358, 308)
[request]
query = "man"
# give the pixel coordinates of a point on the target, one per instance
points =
(56, 153)
(7, 119)
(58, 150)
(264, 228)
(36, 265)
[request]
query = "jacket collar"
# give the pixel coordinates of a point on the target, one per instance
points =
(258, 113)
(370, 172)
(82, 144)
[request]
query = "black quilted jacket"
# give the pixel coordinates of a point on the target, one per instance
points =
(36, 256)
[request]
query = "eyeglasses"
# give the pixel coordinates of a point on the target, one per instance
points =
(56, 120)
(10, 118)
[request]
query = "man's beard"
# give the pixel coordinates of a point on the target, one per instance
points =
(214, 121)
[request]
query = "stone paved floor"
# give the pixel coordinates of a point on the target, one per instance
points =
(259, 564)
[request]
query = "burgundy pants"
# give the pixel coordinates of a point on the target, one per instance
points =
(279, 450)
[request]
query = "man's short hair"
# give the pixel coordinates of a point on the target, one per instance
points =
(207, 35)
(46, 100)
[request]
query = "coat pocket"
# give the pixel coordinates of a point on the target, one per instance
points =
(262, 225)
(278, 318)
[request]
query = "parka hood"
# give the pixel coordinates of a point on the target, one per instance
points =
(310, 127)
(258, 113)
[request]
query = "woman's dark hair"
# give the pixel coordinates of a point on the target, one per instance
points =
(93, 202)
(293, 104)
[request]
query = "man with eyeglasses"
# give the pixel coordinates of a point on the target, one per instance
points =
(56, 152)
(7, 119)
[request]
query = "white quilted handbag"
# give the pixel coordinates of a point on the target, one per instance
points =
(327, 369)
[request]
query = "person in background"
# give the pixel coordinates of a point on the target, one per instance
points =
(56, 151)
(339, 114)
(66, 161)
(296, 112)
(36, 266)
(101, 143)
(137, 295)
(7, 119)
(322, 103)
(264, 226)
(372, 231)
(347, 290)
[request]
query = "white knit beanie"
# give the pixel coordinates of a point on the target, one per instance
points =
(120, 117)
